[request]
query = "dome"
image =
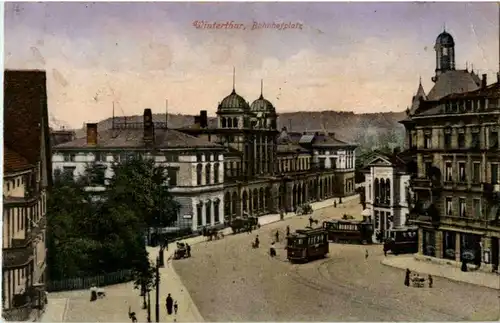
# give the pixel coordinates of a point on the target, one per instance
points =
(262, 105)
(445, 39)
(234, 102)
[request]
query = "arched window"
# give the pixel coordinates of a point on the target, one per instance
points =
(208, 212)
(216, 211)
(377, 190)
(229, 122)
(261, 199)
(255, 199)
(245, 201)
(235, 122)
(382, 190)
(234, 203)
(388, 190)
(199, 215)
(216, 173)
(199, 174)
(223, 122)
(208, 172)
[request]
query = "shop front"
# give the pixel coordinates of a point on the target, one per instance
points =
(429, 243)
(470, 248)
(449, 245)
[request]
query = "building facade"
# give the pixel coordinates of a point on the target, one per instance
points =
(267, 170)
(195, 166)
(387, 194)
(241, 164)
(454, 139)
(25, 188)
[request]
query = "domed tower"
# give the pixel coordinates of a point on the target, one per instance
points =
(233, 111)
(445, 54)
(264, 124)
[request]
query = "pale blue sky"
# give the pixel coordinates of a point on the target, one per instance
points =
(360, 57)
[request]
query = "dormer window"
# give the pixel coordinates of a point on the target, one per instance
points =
(445, 51)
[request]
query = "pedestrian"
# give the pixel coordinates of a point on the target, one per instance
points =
(166, 243)
(430, 281)
(277, 235)
(311, 221)
(287, 230)
(366, 253)
(176, 307)
(407, 277)
(169, 303)
(334, 203)
(188, 250)
(272, 250)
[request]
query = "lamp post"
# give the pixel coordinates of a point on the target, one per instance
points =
(157, 277)
(149, 307)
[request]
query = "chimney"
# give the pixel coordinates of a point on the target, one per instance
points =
(148, 127)
(483, 81)
(91, 134)
(203, 119)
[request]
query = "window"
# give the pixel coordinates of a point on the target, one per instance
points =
(449, 171)
(69, 171)
(462, 177)
(199, 214)
(494, 173)
(427, 141)
(476, 173)
(172, 176)
(199, 158)
(321, 163)
(493, 139)
(447, 139)
(208, 173)
(475, 140)
(476, 204)
(199, 174)
(462, 207)
(208, 212)
(428, 166)
(216, 211)
(449, 245)
(69, 157)
(461, 140)
(449, 206)
(216, 173)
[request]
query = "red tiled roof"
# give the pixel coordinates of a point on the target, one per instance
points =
(14, 162)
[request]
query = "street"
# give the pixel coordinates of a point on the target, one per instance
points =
(230, 281)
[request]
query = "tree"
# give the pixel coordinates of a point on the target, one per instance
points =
(145, 279)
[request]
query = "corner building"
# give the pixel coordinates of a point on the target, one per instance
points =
(452, 132)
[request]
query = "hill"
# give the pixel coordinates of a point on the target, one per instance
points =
(369, 130)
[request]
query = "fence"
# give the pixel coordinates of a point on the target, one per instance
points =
(87, 282)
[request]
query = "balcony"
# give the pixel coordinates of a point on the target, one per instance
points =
(464, 222)
(17, 256)
(421, 183)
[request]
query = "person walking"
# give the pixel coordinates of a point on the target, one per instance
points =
(287, 230)
(366, 254)
(407, 277)
(277, 235)
(169, 304)
(431, 281)
(176, 307)
(188, 250)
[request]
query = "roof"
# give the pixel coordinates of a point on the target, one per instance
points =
(445, 39)
(397, 160)
(233, 102)
(133, 139)
(290, 147)
(262, 105)
(14, 162)
(455, 81)
(25, 112)
(420, 95)
(491, 91)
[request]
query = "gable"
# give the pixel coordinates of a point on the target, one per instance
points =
(379, 161)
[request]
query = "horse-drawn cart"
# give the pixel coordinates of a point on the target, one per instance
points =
(181, 251)
(244, 224)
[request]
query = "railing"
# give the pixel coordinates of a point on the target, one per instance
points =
(87, 282)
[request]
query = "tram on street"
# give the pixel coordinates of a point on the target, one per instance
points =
(308, 244)
(352, 231)
(404, 240)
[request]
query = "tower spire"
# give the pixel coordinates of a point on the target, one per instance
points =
(261, 89)
(234, 79)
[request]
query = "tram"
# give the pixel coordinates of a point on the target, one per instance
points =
(308, 244)
(349, 231)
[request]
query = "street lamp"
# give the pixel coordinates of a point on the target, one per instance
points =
(149, 307)
(157, 277)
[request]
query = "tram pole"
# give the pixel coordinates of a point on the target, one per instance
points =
(157, 305)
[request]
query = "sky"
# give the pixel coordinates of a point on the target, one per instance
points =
(361, 57)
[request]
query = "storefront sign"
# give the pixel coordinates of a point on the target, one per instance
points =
(468, 254)
(450, 253)
(187, 216)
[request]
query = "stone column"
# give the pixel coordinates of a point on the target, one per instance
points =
(439, 244)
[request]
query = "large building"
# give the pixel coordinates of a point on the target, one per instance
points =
(27, 170)
(452, 133)
(387, 193)
(240, 165)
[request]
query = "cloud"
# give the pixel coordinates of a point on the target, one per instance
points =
(140, 68)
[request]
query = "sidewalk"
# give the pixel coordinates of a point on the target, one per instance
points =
(479, 278)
